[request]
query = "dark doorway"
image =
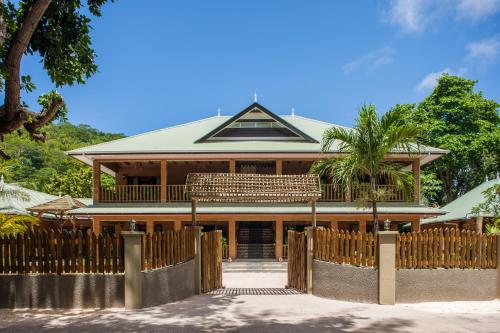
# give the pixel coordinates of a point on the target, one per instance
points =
(255, 240)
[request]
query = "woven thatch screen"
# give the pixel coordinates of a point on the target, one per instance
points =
(232, 187)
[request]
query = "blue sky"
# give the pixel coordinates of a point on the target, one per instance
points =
(163, 63)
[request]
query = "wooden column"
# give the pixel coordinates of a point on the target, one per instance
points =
(96, 181)
(193, 212)
(313, 213)
(118, 229)
(362, 226)
(334, 225)
(96, 226)
(416, 177)
(479, 224)
(278, 248)
(177, 225)
(232, 238)
(232, 166)
(163, 180)
(150, 227)
(415, 225)
(279, 167)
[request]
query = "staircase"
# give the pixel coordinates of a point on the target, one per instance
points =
(255, 241)
(239, 266)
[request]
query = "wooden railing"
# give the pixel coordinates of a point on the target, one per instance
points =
(131, 193)
(390, 193)
(166, 248)
(446, 248)
(55, 252)
(331, 192)
(285, 251)
(355, 248)
(177, 193)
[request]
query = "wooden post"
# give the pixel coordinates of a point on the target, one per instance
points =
(193, 212)
(150, 227)
(362, 226)
(313, 213)
(387, 267)
(96, 226)
(416, 177)
(163, 181)
(197, 260)
(498, 264)
(348, 194)
(177, 225)
(96, 181)
(334, 224)
(479, 224)
(278, 249)
(232, 238)
(118, 229)
(415, 225)
(309, 259)
(232, 166)
(279, 167)
(133, 275)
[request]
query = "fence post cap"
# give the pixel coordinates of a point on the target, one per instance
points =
(132, 233)
(388, 232)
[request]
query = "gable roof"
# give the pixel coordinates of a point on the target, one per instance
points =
(262, 109)
(13, 205)
(461, 208)
(59, 205)
(185, 139)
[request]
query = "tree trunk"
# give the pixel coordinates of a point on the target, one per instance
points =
(373, 189)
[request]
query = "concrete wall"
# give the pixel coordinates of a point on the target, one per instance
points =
(434, 285)
(62, 291)
(345, 282)
(169, 284)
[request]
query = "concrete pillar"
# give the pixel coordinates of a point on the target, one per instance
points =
(309, 259)
(177, 225)
(415, 225)
(479, 224)
(498, 265)
(150, 227)
(96, 181)
(387, 267)
(362, 226)
(163, 181)
(231, 238)
(133, 274)
(334, 224)
(279, 239)
(197, 259)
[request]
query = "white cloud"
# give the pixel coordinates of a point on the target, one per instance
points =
(371, 61)
(430, 80)
(414, 16)
(476, 10)
(485, 51)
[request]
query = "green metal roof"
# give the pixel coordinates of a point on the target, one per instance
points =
(259, 208)
(17, 206)
(461, 208)
(182, 139)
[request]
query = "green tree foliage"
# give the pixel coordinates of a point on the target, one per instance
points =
(46, 167)
(58, 31)
(457, 118)
(367, 144)
(491, 204)
(11, 225)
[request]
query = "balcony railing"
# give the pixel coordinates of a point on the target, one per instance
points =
(178, 193)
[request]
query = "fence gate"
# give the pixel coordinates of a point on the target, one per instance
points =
(297, 260)
(211, 260)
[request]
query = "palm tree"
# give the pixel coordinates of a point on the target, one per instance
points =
(11, 225)
(367, 145)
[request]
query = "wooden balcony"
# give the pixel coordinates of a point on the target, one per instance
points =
(178, 193)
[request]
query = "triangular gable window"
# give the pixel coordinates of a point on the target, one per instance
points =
(256, 123)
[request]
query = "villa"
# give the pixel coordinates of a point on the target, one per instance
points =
(150, 171)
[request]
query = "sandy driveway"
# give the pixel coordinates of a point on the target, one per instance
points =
(271, 311)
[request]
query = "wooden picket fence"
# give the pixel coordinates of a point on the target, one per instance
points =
(211, 260)
(166, 248)
(446, 248)
(55, 252)
(342, 247)
(297, 260)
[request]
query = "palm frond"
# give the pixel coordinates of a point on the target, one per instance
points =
(344, 136)
(14, 224)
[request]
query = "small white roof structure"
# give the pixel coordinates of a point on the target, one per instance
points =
(13, 205)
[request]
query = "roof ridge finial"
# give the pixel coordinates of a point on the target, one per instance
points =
(255, 97)
(293, 111)
(218, 112)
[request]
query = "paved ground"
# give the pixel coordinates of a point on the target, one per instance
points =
(270, 310)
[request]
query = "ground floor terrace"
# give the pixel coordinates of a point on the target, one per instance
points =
(252, 231)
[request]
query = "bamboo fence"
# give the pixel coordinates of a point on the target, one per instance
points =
(211, 260)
